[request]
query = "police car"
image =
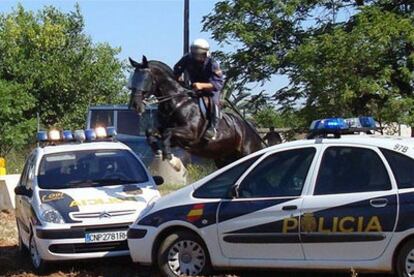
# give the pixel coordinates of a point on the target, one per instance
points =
(78, 194)
(332, 202)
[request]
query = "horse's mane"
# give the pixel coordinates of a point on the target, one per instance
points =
(162, 67)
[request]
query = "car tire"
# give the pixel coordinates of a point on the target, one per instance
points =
(39, 265)
(20, 245)
(405, 260)
(183, 253)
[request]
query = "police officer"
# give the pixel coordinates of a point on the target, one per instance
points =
(205, 76)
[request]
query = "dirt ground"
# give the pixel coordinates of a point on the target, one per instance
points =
(12, 263)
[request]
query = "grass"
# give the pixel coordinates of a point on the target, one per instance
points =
(196, 171)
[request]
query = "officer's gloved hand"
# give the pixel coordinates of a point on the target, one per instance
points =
(191, 93)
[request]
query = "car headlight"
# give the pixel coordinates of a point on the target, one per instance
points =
(48, 214)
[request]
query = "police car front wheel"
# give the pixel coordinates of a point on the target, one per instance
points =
(38, 263)
(183, 253)
(20, 245)
(405, 260)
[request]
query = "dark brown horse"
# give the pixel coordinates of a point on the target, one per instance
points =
(181, 121)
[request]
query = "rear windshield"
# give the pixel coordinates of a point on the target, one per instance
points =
(89, 168)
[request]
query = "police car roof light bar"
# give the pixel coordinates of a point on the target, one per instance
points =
(53, 136)
(336, 127)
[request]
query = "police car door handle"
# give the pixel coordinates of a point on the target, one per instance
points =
(290, 208)
(378, 202)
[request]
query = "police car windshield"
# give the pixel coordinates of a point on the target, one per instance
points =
(89, 168)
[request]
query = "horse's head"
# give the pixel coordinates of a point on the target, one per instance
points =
(141, 83)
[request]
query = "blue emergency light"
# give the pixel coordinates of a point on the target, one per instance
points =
(90, 134)
(67, 135)
(42, 136)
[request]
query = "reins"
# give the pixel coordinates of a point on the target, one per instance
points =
(167, 98)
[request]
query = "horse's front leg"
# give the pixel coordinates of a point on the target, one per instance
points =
(180, 135)
(166, 135)
(153, 141)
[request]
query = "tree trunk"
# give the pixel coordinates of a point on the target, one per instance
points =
(412, 131)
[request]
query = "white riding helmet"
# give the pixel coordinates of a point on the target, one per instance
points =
(200, 46)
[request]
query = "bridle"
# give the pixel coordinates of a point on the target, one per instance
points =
(147, 88)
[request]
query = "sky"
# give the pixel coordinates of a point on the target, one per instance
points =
(141, 27)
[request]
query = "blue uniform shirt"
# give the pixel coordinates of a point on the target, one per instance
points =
(207, 72)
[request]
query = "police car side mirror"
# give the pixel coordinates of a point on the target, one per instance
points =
(21, 190)
(158, 180)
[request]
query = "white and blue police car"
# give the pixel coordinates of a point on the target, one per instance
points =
(333, 202)
(78, 193)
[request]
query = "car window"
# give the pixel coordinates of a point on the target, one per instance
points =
(129, 123)
(281, 174)
(25, 172)
(89, 168)
(350, 170)
(219, 186)
(402, 168)
(31, 173)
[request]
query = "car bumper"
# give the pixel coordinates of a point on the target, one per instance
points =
(140, 243)
(69, 244)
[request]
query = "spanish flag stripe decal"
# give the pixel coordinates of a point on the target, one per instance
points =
(195, 213)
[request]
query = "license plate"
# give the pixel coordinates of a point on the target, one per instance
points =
(105, 236)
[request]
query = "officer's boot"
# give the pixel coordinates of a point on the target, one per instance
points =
(211, 132)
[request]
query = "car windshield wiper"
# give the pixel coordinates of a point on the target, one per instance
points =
(115, 181)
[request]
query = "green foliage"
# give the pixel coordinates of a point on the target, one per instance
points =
(343, 57)
(15, 128)
(269, 117)
(60, 70)
(16, 158)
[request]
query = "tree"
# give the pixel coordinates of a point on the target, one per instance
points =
(15, 127)
(57, 65)
(343, 57)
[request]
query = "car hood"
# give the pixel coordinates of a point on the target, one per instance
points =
(97, 205)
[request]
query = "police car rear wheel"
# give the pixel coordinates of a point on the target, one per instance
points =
(38, 263)
(405, 262)
(183, 253)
